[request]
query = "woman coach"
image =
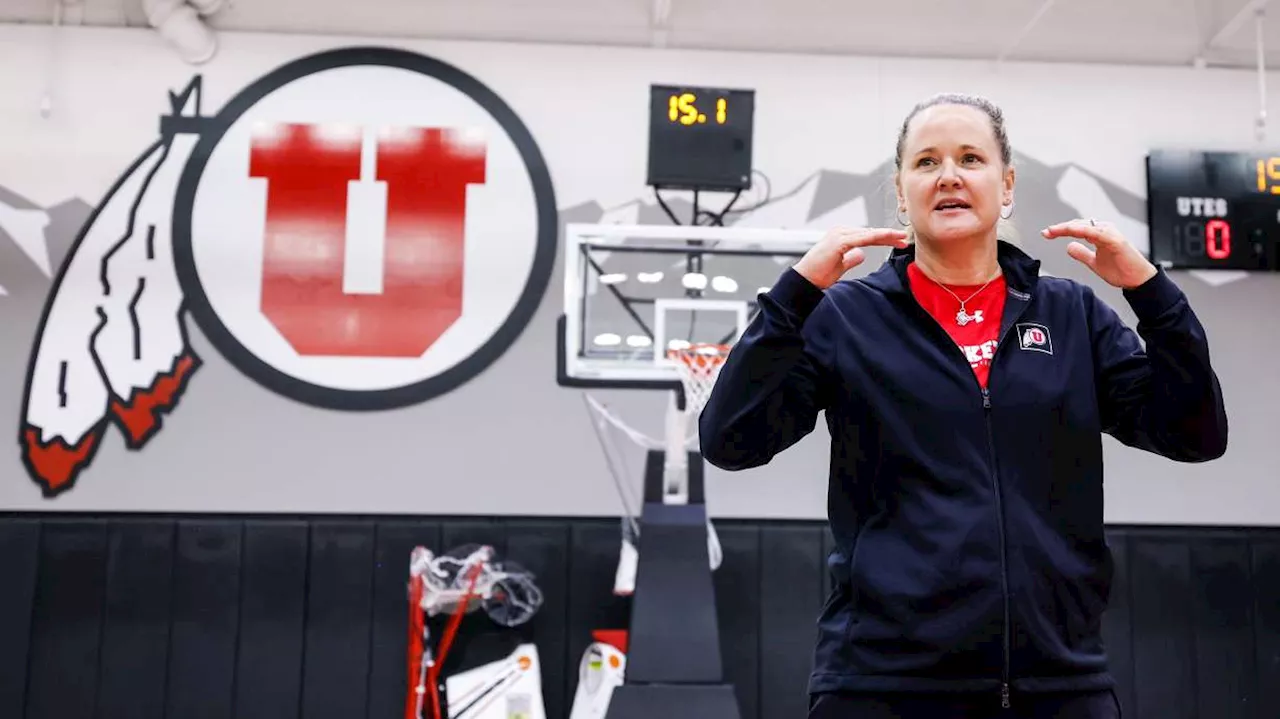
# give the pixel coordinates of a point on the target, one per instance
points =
(966, 397)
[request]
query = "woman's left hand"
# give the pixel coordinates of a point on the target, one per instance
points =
(1112, 257)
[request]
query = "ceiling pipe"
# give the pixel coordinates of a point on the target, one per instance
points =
(1017, 40)
(1231, 26)
(46, 100)
(181, 24)
(1261, 128)
(660, 23)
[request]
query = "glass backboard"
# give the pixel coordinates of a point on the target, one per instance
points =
(632, 292)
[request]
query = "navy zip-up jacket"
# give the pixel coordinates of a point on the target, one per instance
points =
(968, 523)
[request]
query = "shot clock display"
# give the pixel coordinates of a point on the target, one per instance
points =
(700, 138)
(683, 108)
(1210, 210)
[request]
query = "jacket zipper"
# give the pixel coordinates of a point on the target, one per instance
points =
(1004, 559)
(1005, 699)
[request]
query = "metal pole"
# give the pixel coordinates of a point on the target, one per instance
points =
(1262, 76)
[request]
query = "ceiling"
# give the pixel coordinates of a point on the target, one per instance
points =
(1149, 32)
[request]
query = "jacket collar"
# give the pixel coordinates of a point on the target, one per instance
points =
(1021, 271)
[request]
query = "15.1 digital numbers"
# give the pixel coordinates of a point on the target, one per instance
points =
(1268, 175)
(683, 109)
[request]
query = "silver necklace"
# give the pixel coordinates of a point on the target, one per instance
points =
(963, 317)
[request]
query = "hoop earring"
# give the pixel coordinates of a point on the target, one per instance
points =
(898, 217)
(1004, 216)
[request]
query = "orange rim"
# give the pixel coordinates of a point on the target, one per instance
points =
(701, 355)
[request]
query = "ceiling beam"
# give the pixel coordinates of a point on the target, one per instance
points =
(1017, 39)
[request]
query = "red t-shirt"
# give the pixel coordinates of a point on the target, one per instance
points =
(977, 337)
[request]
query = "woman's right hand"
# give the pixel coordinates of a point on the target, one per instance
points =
(841, 250)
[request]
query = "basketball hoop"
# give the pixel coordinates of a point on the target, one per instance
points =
(698, 365)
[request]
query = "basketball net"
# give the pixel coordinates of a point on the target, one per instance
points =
(697, 366)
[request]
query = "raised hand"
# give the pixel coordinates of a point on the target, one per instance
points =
(840, 250)
(1112, 257)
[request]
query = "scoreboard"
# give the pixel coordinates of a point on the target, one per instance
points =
(700, 138)
(1214, 210)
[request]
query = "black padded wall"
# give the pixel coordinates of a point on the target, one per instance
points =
(219, 617)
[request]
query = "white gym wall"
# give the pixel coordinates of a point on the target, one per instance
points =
(511, 441)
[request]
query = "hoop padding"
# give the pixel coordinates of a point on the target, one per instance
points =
(698, 366)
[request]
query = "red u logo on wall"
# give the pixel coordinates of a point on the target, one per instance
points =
(338, 192)
(366, 228)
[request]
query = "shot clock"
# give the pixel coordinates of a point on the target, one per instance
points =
(700, 138)
(1214, 210)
